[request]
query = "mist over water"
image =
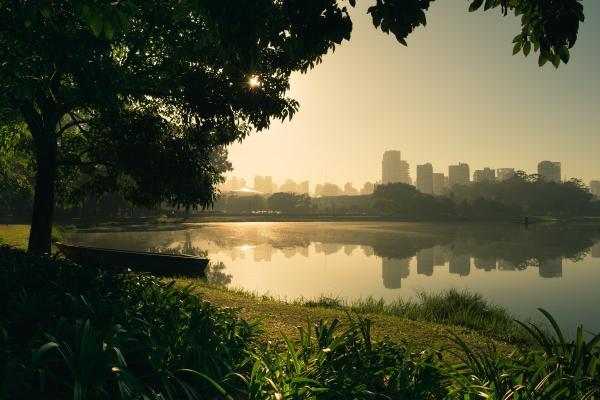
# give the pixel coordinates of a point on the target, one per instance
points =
(556, 268)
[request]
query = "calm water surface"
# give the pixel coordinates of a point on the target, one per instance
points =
(557, 268)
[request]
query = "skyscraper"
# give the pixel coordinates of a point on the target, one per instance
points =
(367, 188)
(439, 183)
(263, 184)
(458, 174)
(405, 172)
(390, 167)
(303, 187)
(595, 188)
(425, 178)
(549, 171)
(503, 174)
(483, 175)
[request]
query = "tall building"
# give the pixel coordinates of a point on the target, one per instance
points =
(263, 184)
(458, 174)
(303, 187)
(405, 173)
(390, 167)
(595, 188)
(368, 188)
(484, 175)
(549, 170)
(439, 183)
(425, 178)
(289, 186)
(503, 174)
(349, 190)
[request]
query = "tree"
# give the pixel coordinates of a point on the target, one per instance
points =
(140, 95)
(290, 203)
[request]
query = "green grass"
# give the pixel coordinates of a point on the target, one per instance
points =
(17, 235)
(462, 310)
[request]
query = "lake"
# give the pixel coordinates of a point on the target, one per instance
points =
(548, 266)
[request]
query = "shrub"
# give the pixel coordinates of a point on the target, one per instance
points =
(72, 332)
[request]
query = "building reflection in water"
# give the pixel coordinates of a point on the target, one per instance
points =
(263, 252)
(349, 249)
(505, 265)
(439, 256)
(393, 270)
(596, 250)
(486, 264)
(460, 264)
(551, 268)
(425, 262)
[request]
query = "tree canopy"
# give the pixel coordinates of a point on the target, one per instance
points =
(142, 96)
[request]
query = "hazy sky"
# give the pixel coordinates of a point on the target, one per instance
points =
(454, 94)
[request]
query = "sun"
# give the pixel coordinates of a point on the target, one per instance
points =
(254, 82)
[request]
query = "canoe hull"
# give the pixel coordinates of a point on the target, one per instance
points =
(154, 263)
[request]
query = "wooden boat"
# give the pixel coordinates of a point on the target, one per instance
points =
(154, 263)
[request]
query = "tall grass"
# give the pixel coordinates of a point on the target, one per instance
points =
(453, 307)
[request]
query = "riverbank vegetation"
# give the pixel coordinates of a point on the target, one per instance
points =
(73, 332)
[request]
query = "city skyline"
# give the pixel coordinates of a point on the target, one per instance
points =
(484, 106)
(394, 169)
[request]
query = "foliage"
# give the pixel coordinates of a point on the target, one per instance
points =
(547, 26)
(526, 194)
(16, 182)
(72, 332)
(401, 199)
(289, 203)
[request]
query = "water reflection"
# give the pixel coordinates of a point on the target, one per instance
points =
(520, 269)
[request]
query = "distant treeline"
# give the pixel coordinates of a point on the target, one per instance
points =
(522, 195)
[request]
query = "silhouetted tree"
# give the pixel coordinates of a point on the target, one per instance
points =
(290, 203)
(140, 94)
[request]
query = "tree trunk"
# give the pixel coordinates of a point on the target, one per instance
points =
(40, 235)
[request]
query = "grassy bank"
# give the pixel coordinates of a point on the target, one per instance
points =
(73, 332)
(17, 235)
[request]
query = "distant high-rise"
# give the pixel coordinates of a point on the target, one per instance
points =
(503, 174)
(289, 186)
(595, 188)
(368, 188)
(405, 172)
(303, 187)
(263, 184)
(458, 174)
(549, 171)
(425, 178)
(439, 183)
(484, 175)
(349, 190)
(390, 167)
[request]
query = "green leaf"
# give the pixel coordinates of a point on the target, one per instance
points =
(564, 54)
(542, 60)
(517, 48)
(353, 3)
(475, 5)
(527, 48)
(96, 24)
